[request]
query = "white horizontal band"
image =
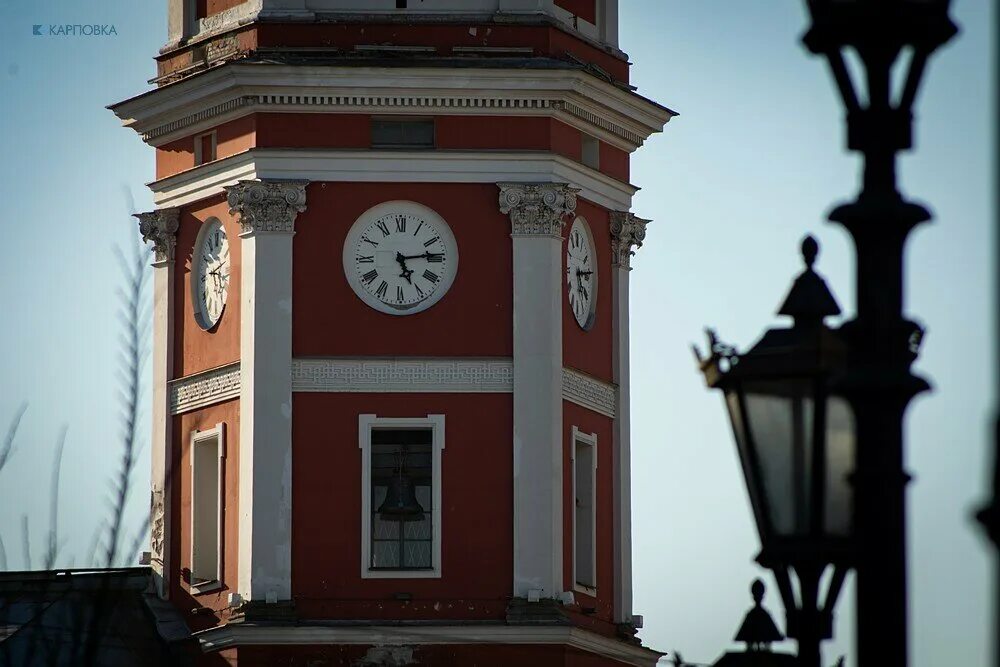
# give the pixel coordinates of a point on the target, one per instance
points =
(226, 636)
(373, 166)
(446, 376)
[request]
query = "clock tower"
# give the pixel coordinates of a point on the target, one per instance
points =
(390, 409)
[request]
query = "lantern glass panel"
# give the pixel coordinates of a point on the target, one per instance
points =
(780, 415)
(840, 453)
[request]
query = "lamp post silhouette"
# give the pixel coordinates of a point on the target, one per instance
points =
(796, 442)
(882, 344)
(757, 632)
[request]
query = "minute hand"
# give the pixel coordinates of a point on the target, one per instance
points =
(426, 255)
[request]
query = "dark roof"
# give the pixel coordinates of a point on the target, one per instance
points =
(77, 617)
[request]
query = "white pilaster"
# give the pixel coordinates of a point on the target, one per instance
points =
(266, 212)
(627, 231)
(160, 229)
(536, 214)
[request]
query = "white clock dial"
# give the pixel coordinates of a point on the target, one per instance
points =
(400, 257)
(581, 273)
(210, 280)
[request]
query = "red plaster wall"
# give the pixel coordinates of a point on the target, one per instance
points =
(585, 9)
(477, 508)
(565, 140)
(473, 318)
(615, 162)
(196, 349)
(231, 138)
(592, 351)
(183, 426)
(492, 132)
(313, 130)
(208, 8)
(588, 421)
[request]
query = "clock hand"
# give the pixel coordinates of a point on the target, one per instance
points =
(402, 264)
(426, 255)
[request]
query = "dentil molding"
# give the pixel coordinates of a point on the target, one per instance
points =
(267, 206)
(627, 234)
(537, 209)
(159, 227)
(386, 375)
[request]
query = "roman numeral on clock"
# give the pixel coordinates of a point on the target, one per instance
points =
(383, 227)
(370, 276)
(368, 240)
(429, 242)
(431, 276)
(399, 293)
(366, 259)
(400, 223)
(380, 292)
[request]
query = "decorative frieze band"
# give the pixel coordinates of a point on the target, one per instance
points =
(267, 206)
(421, 103)
(206, 388)
(403, 375)
(537, 209)
(159, 227)
(444, 376)
(589, 392)
(627, 234)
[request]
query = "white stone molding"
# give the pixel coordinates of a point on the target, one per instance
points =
(627, 234)
(620, 117)
(206, 388)
(159, 227)
(236, 634)
(267, 206)
(537, 209)
(367, 166)
(589, 392)
(403, 375)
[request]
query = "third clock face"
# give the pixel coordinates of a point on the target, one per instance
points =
(400, 257)
(581, 274)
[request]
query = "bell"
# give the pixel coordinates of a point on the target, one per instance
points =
(401, 501)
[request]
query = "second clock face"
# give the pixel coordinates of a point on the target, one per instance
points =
(400, 257)
(581, 274)
(211, 273)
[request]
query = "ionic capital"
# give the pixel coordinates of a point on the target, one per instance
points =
(537, 209)
(267, 206)
(159, 227)
(627, 235)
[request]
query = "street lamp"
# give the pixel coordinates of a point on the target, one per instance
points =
(796, 442)
(881, 343)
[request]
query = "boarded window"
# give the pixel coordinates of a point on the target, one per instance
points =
(590, 151)
(585, 491)
(206, 505)
(402, 133)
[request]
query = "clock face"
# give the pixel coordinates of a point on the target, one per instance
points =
(400, 257)
(581, 273)
(211, 273)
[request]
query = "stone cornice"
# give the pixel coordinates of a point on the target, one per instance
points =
(159, 227)
(617, 116)
(537, 209)
(627, 234)
(267, 206)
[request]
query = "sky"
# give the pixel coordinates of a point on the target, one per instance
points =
(753, 162)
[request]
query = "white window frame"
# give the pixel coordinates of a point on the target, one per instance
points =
(365, 425)
(590, 439)
(199, 158)
(217, 433)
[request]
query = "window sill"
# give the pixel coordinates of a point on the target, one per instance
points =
(401, 574)
(205, 587)
(586, 590)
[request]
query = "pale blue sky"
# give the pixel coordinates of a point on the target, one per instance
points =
(753, 162)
